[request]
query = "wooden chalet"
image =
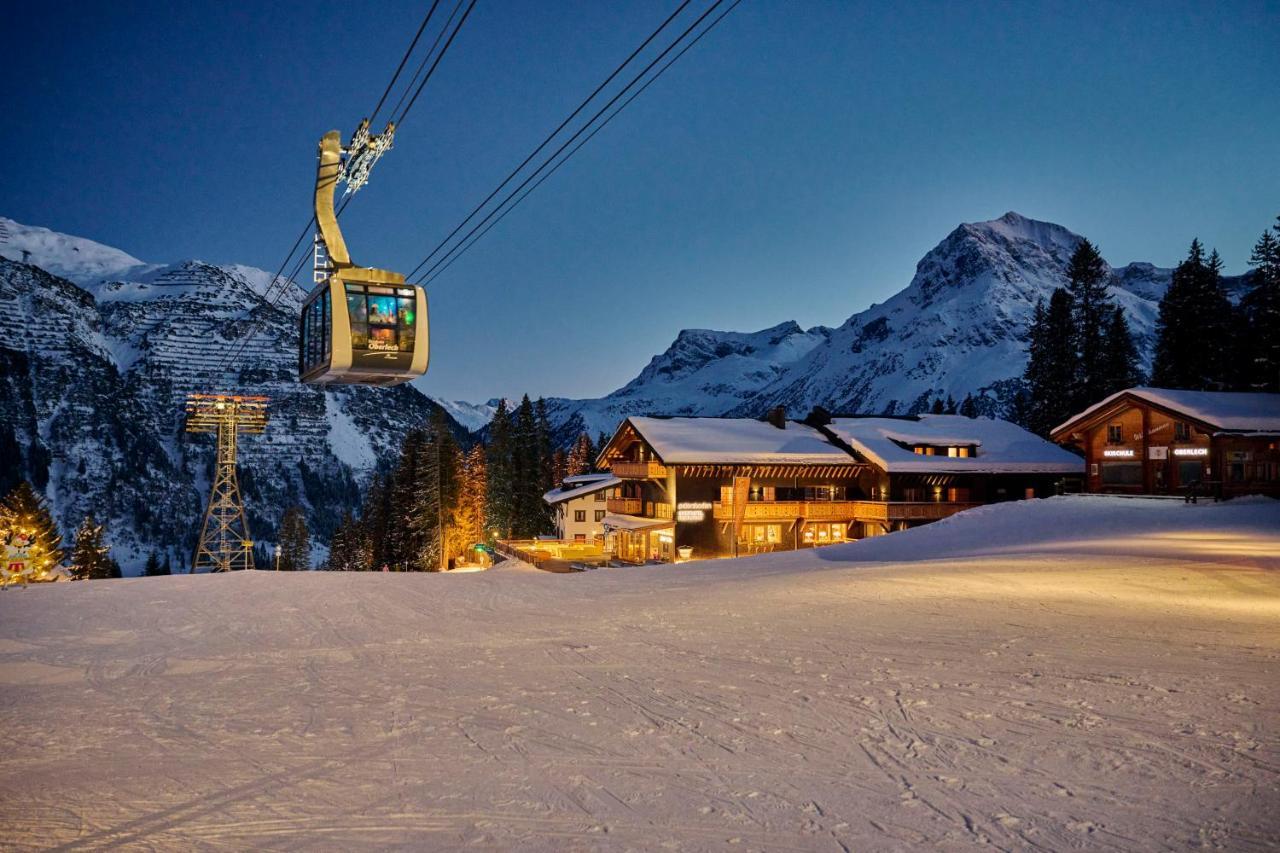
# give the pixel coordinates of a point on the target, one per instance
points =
(709, 487)
(1163, 441)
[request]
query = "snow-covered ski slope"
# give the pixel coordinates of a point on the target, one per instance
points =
(1077, 672)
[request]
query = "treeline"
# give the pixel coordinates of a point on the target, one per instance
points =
(439, 502)
(1081, 348)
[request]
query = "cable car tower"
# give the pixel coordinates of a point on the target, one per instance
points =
(225, 544)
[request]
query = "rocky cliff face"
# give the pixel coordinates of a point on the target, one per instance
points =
(93, 380)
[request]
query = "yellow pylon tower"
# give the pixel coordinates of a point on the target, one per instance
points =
(225, 544)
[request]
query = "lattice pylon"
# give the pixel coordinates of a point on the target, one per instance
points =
(225, 543)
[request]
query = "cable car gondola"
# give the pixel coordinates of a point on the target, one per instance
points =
(359, 325)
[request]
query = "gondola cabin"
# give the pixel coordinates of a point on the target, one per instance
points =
(364, 329)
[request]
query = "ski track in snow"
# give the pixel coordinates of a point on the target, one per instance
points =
(1112, 687)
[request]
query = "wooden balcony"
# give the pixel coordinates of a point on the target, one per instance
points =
(636, 506)
(842, 510)
(639, 470)
(625, 506)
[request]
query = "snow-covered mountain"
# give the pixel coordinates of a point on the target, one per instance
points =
(473, 416)
(959, 327)
(94, 373)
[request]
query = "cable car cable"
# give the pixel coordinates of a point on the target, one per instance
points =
(423, 64)
(550, 137)
(403, 60)
(438, 58)
(575, 149)
(565, 145)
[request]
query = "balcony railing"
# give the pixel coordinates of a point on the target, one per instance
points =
(637, 506)
(842, 510)
(639, 470)
(625, 506)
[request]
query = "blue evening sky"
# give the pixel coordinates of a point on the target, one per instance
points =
(796, 164)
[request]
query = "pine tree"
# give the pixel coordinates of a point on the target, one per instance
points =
(968, 408)
(1051, 366)
(446, 467)
(951, 405)
(89, 557)
(1091, 316)
(152, 567)
(408, 524)
(602, 441)
(1194, 334)
(500, 483)
(294, 542)
(167, 567)
(374, 521)
(527, 473)
(468, 518)
(938, 408)
(581, 456)
(1119, 357)
(27, 526)
(1261, 309)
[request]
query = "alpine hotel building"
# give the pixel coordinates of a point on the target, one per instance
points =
(707, 487)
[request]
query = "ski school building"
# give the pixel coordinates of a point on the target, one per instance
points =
(1164, 441)
(693, 488)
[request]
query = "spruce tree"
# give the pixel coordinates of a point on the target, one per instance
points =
(294, 542)
(407, 530)
(152, 567)
(1051, 365)
(27, 525)
(1119, 357)
(968, 408)
(1195, 338)
(469, 513)
(581, 456)
(1091, 310)
(1261, 309)
(938, 408)
(89, 557)
(500, 483)
(526, 472)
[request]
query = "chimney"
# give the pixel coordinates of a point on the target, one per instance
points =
(818, 417)
(778, 417)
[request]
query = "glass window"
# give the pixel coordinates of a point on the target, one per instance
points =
(356, 308)
(579, 515)
(1181, 431)
(1189, 472)
(359, 336)
(599, 515)
(382, 338)
(1122, 473)
(382, 310)
(406, 317)
(327, 330)
(1115, 434)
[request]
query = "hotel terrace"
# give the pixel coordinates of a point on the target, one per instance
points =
(708, 487)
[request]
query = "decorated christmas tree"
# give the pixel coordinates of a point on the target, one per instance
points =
(32, 546)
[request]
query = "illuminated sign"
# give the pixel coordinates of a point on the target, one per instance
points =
(690, 515)
(694, 505)
(1118, 452)
(1191, 451)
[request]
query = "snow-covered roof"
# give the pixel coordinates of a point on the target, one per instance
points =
(1230, 411)
(1002, 447)
(618, 521)
(579, 479)
(737, 441)
(597, 483)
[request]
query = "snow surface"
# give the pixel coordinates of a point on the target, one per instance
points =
(737, 441)
(1227, 410)
(1002, 447)
(473, 416)
(73, 258)
(1070, 673)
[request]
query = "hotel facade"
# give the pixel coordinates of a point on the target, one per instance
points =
(691, 488)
